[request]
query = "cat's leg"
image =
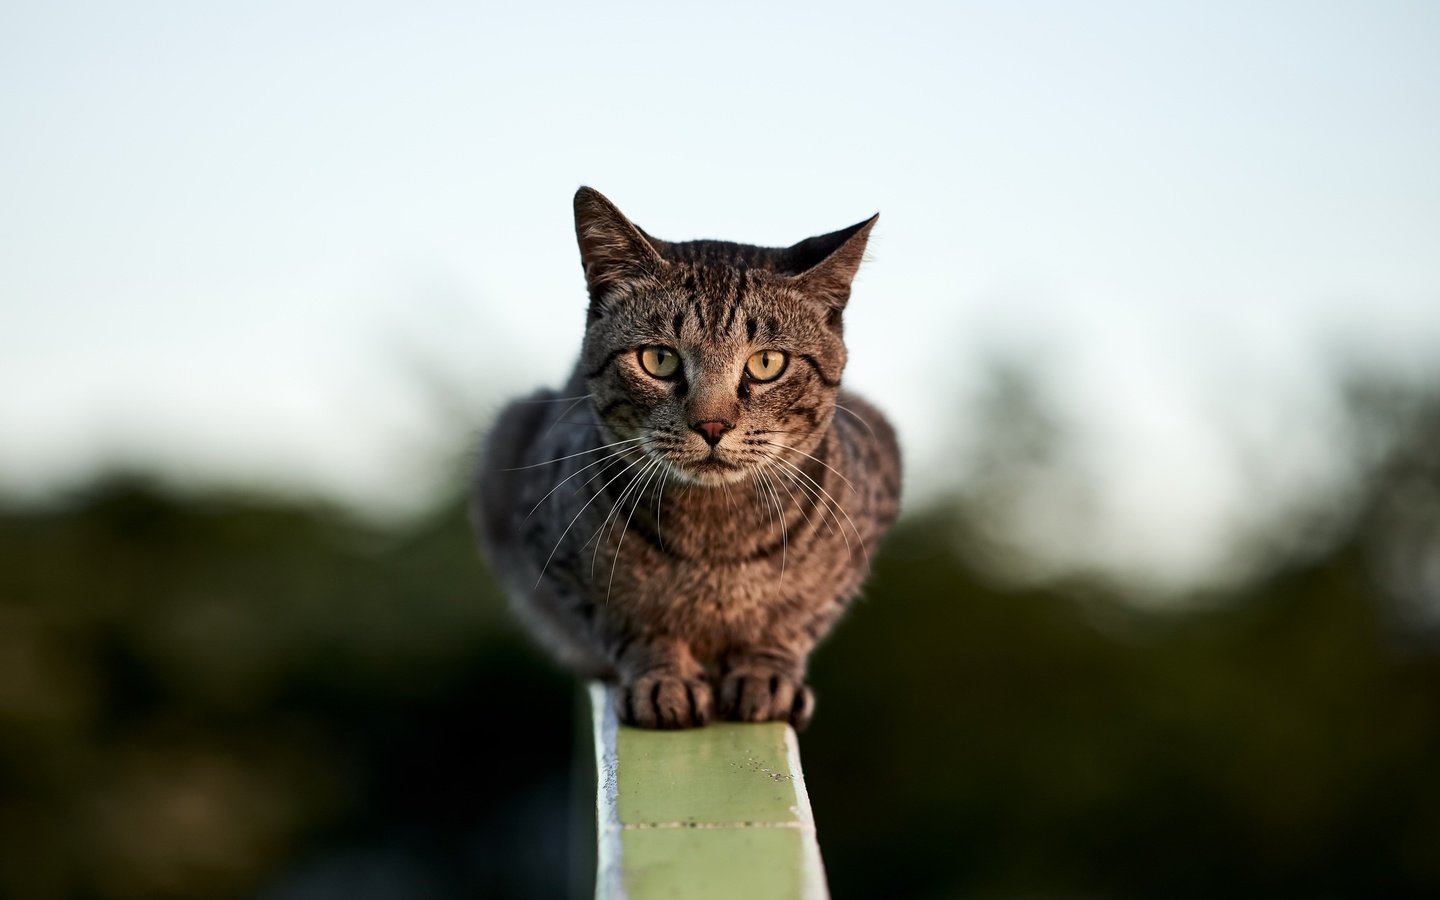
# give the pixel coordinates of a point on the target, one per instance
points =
(765, 685)
(661, 684)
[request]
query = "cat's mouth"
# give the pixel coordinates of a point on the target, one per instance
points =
(707, 470)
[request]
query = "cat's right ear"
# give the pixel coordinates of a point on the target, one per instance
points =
(827, 264)
(612, 249)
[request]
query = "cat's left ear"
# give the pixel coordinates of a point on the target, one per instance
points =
(826, 265)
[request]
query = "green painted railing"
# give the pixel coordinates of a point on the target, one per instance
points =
(714, 812)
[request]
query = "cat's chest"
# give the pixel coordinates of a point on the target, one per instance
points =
(710, 600)
(739, 575)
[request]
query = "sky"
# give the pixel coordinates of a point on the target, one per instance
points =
(312, 246)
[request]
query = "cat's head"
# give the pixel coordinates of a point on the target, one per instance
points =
(720, 358)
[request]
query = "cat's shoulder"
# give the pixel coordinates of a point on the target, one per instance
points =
(857, 416)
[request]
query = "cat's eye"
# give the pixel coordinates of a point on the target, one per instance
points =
(766, 365)
(662, 362)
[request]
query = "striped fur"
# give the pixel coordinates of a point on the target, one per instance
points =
(698, 577)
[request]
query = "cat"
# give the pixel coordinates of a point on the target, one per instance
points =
(697, 506)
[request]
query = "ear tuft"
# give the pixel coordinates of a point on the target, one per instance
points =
(612, 249)
(826, 265)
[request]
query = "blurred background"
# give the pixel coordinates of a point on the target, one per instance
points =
(1154, 302)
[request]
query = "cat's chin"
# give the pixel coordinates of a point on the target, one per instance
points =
(709, 472)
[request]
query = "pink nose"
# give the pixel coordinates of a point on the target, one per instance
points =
(712, 430)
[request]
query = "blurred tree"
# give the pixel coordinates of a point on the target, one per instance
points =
(201, 694)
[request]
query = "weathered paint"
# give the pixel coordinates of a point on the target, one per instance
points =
(713, 812)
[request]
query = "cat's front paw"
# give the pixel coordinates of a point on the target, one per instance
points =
(758, 694)
(665, 700)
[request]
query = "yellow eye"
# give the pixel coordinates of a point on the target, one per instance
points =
(662, 362)
(766, 365)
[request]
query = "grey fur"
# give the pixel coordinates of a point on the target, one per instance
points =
(626, 547)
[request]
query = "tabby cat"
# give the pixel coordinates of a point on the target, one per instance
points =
(693, 511)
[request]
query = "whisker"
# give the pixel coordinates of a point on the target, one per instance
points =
(859, 418)
(639, 495)
(636, 487)
(780, 512)
(760, 492)
(614, 508)
(565, 412)
(591, 480)
(555, 399)
(832, 522)
(664, 477)
(800, 506)
(827, 515)
(618, 454)
(573, 455)
(561, 539)
(859, 537)
(818, 460)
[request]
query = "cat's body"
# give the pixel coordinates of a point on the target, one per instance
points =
(694, 510)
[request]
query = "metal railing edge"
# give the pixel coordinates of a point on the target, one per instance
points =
(610, 881)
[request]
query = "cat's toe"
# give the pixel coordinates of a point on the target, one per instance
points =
(665, 700)
(766, 696)
(802, 708)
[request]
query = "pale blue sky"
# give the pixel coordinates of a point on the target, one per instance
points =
(228, 233)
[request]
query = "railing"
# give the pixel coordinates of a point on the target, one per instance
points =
(714, 812)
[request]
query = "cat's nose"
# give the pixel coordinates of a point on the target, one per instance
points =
(712, 430)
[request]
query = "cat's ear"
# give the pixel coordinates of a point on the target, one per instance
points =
(826, 265)
(612, 248)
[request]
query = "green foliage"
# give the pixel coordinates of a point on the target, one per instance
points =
(982, 742)
(201, 692)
